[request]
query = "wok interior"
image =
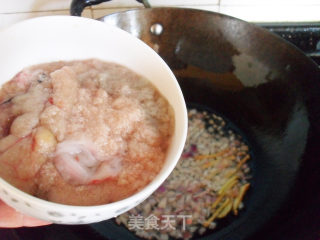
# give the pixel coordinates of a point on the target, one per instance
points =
(258, 81)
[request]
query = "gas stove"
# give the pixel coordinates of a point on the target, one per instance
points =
(304, 36)
(286, 225)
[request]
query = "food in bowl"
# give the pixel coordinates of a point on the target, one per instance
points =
(82, 132)
(208, 184)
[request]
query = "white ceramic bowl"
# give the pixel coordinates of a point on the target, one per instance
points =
(48, 39)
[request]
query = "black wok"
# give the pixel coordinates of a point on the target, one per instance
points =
(267, 87)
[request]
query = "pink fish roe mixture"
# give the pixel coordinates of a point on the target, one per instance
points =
(82, 132)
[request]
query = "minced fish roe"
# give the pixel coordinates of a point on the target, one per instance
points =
(82, 132)
(208, 183)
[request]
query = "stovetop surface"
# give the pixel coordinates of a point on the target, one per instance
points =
(304, 36)
(305, 225)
